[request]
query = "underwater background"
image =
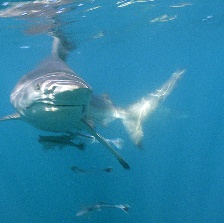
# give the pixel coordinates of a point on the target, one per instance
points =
(125, 49)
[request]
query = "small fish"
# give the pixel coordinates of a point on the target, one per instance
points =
(108, 169)
(76, 169)
(61, 141)
(97, 207)
(51, 142)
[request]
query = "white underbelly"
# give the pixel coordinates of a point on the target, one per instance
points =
(55, 118)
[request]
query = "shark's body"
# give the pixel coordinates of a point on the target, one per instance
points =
(55, 99)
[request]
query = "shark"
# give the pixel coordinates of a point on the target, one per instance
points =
(53, 98)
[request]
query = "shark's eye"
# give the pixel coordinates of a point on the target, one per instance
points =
(38, 86)
(53, 88)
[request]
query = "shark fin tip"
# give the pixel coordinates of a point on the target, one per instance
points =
(10, 117)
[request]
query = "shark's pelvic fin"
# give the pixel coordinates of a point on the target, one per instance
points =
(134, 116)
(89, 129)
(9, 117)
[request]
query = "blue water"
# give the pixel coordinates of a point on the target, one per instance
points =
(179, 174)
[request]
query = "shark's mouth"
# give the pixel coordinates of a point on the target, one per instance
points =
(53, 102)
(52, 107)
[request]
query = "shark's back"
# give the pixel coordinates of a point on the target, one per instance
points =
(51, 65)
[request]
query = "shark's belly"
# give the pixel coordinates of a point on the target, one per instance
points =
(55, 118)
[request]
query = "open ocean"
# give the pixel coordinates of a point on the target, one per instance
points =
(125, 49)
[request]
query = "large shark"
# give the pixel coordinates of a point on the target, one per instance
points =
(54, 98)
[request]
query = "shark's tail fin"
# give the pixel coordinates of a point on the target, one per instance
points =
(135, 115)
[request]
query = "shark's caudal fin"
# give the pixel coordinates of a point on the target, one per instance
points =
(134, 116)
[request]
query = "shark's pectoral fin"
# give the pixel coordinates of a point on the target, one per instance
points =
(9, 117)
(88, 128)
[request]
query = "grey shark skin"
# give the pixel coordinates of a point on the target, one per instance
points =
(55, 99)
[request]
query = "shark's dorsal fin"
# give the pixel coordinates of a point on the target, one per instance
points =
(9, 117)
(61, 46)
(89, 129)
